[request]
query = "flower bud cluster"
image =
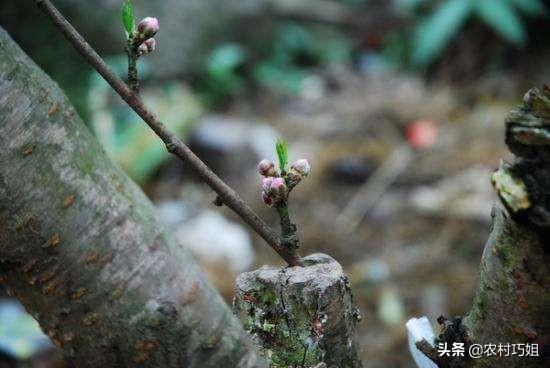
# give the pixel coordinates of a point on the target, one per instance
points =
(143, 38)
(275, 188)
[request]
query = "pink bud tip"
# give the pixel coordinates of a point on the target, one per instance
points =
(151, 44)
(148, 27)
(301, 166)
(278, 187)
(266, 168)
(266, 184)
(147, 46)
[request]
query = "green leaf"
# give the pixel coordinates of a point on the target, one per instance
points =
(225, 59)
(128, 19)
(435, 32)
(501, 16)
(286, 79)
(534, 8)
(282, 153)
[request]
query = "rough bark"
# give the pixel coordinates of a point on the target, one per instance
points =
(513, 295)
(81, 249)
(301, 316)
(512, 300)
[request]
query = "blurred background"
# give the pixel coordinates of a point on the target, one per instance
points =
(398, 105)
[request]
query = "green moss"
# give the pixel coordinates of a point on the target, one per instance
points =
(267, 298)
(286, 337)
(248, 323)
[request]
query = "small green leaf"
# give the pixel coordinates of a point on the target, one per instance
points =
(224, 59)
(533, 8)
(500, 16)
(128, 16)
(435, 32)
(282, 153)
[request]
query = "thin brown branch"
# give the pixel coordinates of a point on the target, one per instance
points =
(174, 145)
(430, 352)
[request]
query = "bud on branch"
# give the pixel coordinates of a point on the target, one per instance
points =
(276, 187)
(139, 42)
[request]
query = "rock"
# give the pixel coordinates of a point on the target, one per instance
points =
(215, 240)
(300, 316)
(466, 194)
(228, 144)
(350, 170)
(172, 213)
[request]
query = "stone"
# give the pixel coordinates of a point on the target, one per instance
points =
(215, 240)
(466, 195)
(300, 316)
(350, 170)
(230, 144)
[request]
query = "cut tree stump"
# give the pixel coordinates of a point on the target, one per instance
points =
(300, 316)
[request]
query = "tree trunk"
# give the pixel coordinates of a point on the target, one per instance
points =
(513, 296)
(512, 301)
(81, 249)
(509, 317)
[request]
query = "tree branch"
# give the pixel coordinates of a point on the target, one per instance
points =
(132, 54)
(174, 145)
(289, 230)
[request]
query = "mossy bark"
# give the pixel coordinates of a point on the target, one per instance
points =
(513, 296)
(301, 316)
(512, 301)
(81, 249)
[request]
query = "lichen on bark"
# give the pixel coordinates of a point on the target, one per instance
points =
(513, 298)
(300, 316)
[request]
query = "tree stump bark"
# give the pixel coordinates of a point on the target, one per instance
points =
(509, 317)
(512, 301)
(300, 316)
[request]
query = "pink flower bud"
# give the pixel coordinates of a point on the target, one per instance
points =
(151, 44)
(278, 188)
(148, 27)
(266, 168)
(147, 46)
(266, 184)
(301, 166)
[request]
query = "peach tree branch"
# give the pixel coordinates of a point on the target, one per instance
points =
(174, 145)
